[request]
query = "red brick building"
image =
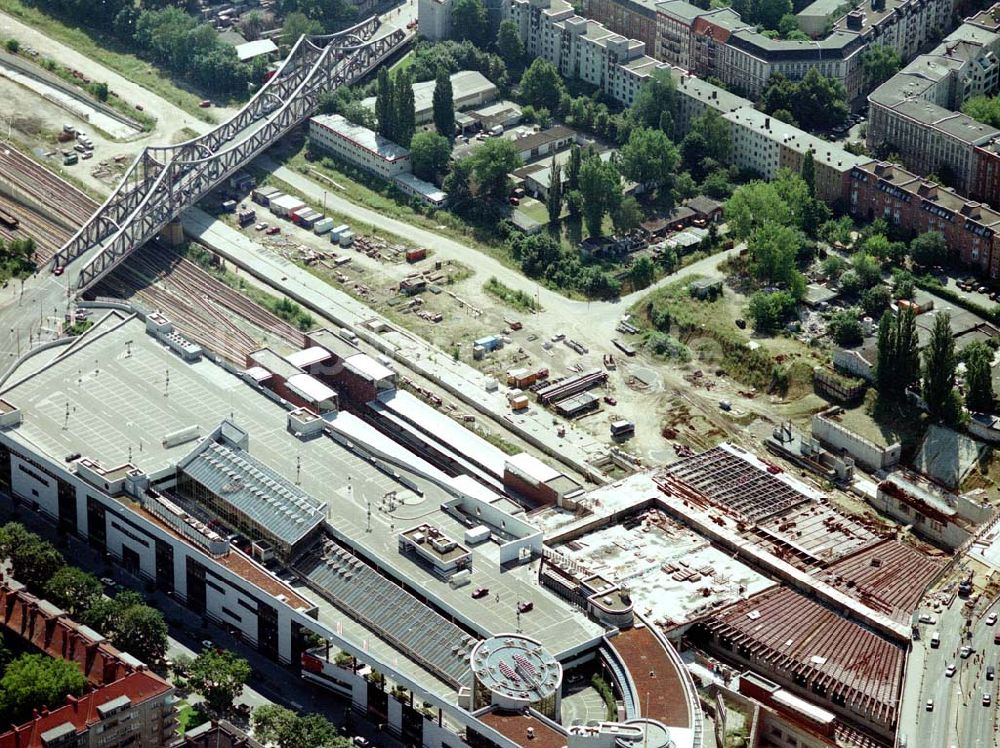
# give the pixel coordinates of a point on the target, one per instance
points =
(128, 704)
(884, 190)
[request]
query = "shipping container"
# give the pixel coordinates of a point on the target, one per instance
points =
(323, 225)
(246, 217)
(229, 206)
(337, 231)
(263, 195)
(308, 220)
(347, 239)
(489, 343)
(519, 403)
(415, 255)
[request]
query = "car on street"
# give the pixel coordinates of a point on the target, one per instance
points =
(361, 742)
(990, 672)
(930, 705)
(107, 581)
(935, 640)
(950, 670)
(207, 644)
(965, 652)
(991, 619)
(987, 699)
(59, 270)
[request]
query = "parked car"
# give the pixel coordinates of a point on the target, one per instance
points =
(525, 606)
(965, 652)
(205, 103)
(273, 230)
(990, 673)
(480, 592)
(950, 671)
(991, 619)
(987, 699)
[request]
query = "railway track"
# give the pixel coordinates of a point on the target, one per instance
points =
(157, 278)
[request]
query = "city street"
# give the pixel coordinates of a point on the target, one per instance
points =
(959, 717)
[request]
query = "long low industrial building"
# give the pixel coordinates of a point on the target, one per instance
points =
(285, 523)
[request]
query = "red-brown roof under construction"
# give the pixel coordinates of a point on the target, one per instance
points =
(793, 636)
(659, 686)
(890, 577)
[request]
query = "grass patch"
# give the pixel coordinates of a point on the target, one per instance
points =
(78, 328)
(704, 328)
(601, 686)
(516, 298)
(188, 717)
(499, 442)
(108, 51)
(403, 62)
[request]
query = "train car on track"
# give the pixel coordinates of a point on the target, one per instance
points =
(8, 220)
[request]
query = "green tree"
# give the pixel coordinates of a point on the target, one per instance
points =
(837, 232)
(34, 680)
(272, 722)
(33, 561)
(876, 300)
(219, 678)
(100, 90)
(383, 102)
(768, 311)
(880, 62)
(444, 105)
(939, 372)
(754, 205)
(808, 173)
(469, 22)
(600, 186)
(642, 272)
(553, 200)
(845, 328)
(457, 185)
(573, 167)
(491, 163)
(143, 633)
(773, 249)
(296, 25)
(12, 45)
(867, 269)
(886, 354)
(509, 45)
(429, 154)
(978, 359)
(404, 108)
(649, 157)
(73, 590)
(929, 249)
(541, 85)
(815, 103)
(985, 109)
(656, 97)
(627, 216)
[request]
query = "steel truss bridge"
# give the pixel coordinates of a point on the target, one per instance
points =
(164, 180)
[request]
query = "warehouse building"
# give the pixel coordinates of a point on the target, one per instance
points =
(359, 146)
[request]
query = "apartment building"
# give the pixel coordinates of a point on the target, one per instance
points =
(635, 19)
(123, 704)
(583, 48)
(434, 17)
(719, 43)
(914, 112)
(766, 145)
(884, 190)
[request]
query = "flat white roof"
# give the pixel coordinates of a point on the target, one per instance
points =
(255, 49)
(307, 356)
(531, 465)
(258, 373)
(288, 202)
(369, 367)
(361, 137)
(426, 189)
(446, 429)
(310, 388)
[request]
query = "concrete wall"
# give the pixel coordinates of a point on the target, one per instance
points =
(34, 485)
(948, 534)
(865, 452)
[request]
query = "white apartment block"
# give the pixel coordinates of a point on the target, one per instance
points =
(582, 48)
(359, 146)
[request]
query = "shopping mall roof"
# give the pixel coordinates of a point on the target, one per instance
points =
(252, 489)
(146, 407)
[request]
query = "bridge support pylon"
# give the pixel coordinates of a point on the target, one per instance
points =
(173, 233)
